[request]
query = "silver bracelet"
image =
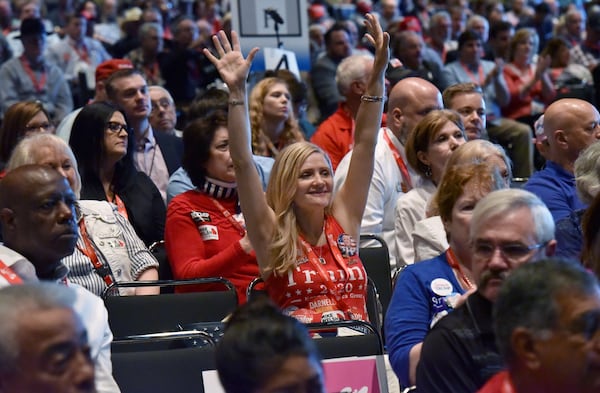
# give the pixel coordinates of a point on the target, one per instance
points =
(366, 98)
(236, 102)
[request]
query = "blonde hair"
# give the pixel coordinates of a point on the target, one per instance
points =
(281, 190)
(522, 35)
(261, 143)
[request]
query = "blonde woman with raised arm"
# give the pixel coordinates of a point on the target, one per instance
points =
(303, 235)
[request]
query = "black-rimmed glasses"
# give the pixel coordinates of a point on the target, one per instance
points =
(116, 127)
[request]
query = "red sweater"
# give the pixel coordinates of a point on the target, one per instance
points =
(520, 106)
(207, 245)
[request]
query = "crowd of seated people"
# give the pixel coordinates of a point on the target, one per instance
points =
(166, 135)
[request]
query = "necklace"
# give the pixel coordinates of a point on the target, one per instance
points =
(322, 260)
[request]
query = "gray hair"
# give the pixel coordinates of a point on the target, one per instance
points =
(437, 17)
(24, 154)
(478, 18)
(161, 89)
(528, 298)
(587, 173)
(501, 202)
(350, 69)
(147, 27)
(19, 300)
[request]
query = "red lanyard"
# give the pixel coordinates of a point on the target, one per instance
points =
(241, 230)
(453, 262)
(472, 77)
(314, 260)
(38, 85)
(152, 73)
(120, 206)
(406, 182)
(9, 275)
(89, 252)
(82, 53)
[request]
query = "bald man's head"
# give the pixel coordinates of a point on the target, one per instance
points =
(38, 216)
(409, 101)
(571, 125)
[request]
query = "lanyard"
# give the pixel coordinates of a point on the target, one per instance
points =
(228, 215)
(453, 262)
(478, 81)
(9, 275)
(82, 53)
(406, 182)
(120, 206)
(314, 260)
(152, 72)
(89, 252)
(38, 85)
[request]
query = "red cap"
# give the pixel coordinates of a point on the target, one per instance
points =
(106, 69)
(316, 11)
(410, 23)
(364, 6)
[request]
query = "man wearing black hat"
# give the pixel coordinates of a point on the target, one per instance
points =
(31, 77)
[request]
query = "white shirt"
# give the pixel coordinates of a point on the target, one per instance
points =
(429, 238)
(90, 310)
(384, 191)
(410, 209)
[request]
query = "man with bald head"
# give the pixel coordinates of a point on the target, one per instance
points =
(163, 116)
(39, 228)
(570, 125)
(409, 101)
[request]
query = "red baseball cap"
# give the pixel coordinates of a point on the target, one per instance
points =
(109, 67)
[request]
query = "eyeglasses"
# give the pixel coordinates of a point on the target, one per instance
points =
(512, 251)
(163, 103)
(44, 127)
(586, 325)
(116, 127)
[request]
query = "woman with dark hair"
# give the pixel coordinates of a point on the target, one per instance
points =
(205, 233)
(103, 146)
(20, 120)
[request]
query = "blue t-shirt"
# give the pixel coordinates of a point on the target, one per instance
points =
(422, 296)
(556, 188)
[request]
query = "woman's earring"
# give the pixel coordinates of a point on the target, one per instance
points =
(428, 171)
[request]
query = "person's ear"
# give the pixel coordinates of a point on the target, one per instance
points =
(525, 348)
(423, 157)
(561, 138)
(397, 118)
(447, 225)
(550, 248)
(358, 87)
(7, 218)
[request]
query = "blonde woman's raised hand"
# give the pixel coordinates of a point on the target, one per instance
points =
(380, 41)
(230, 61)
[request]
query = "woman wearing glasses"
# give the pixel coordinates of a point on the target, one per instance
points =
(428, 290)
(20, 120)
(103, 148)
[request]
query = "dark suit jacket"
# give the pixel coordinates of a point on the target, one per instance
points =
(171, 148)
